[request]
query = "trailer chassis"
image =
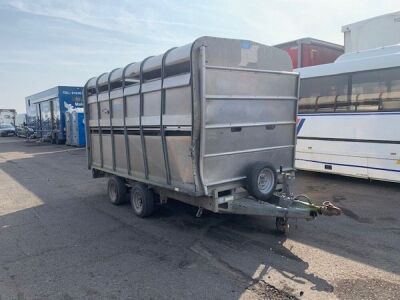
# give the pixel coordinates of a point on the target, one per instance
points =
(284, 205)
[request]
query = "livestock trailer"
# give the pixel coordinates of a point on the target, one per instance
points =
(46, 111)
(211, 123)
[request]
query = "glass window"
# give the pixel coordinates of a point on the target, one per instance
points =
(325, 90)
(377, 90)
(45, 115)
(344, 103)
(326, 103)
(391, 101)
(324, 86)
(56, 113)
(307, 105)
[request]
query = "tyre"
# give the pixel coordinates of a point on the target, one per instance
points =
(142, 200)
(282, 225)
(262, 180)
(117, 191)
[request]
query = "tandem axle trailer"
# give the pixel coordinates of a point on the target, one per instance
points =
(211, 123)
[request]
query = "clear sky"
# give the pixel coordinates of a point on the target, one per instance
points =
(45, 43)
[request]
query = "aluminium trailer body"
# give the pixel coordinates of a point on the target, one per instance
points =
(206, 123)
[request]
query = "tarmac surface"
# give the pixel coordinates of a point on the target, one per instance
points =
(60, 238)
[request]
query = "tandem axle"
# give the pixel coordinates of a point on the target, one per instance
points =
(283, 205)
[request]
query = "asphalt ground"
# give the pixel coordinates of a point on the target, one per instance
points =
(60, 238)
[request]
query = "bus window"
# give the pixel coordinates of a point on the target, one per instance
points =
(327, 88)
(307, 105)
(377, 90)
(326, 103)
(391, 101)
(368, 102)
(344, 104)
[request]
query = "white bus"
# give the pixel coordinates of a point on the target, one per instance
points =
(349, 115)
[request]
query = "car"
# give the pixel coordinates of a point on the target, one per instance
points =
(7, 130)
(24, 132)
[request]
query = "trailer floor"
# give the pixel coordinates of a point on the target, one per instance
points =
(61, 239)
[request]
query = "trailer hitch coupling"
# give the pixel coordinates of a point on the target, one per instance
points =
(328, 209)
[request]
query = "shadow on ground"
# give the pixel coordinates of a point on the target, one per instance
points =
(70, 242)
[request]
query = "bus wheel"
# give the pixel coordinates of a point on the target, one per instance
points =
(142, 200)
(117, 191)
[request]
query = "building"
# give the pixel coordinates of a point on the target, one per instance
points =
(46, 111)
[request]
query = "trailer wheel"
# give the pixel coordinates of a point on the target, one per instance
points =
(142, 200)
(117, 191)
(262, 180)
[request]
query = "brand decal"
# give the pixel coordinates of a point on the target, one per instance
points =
(300, 123)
